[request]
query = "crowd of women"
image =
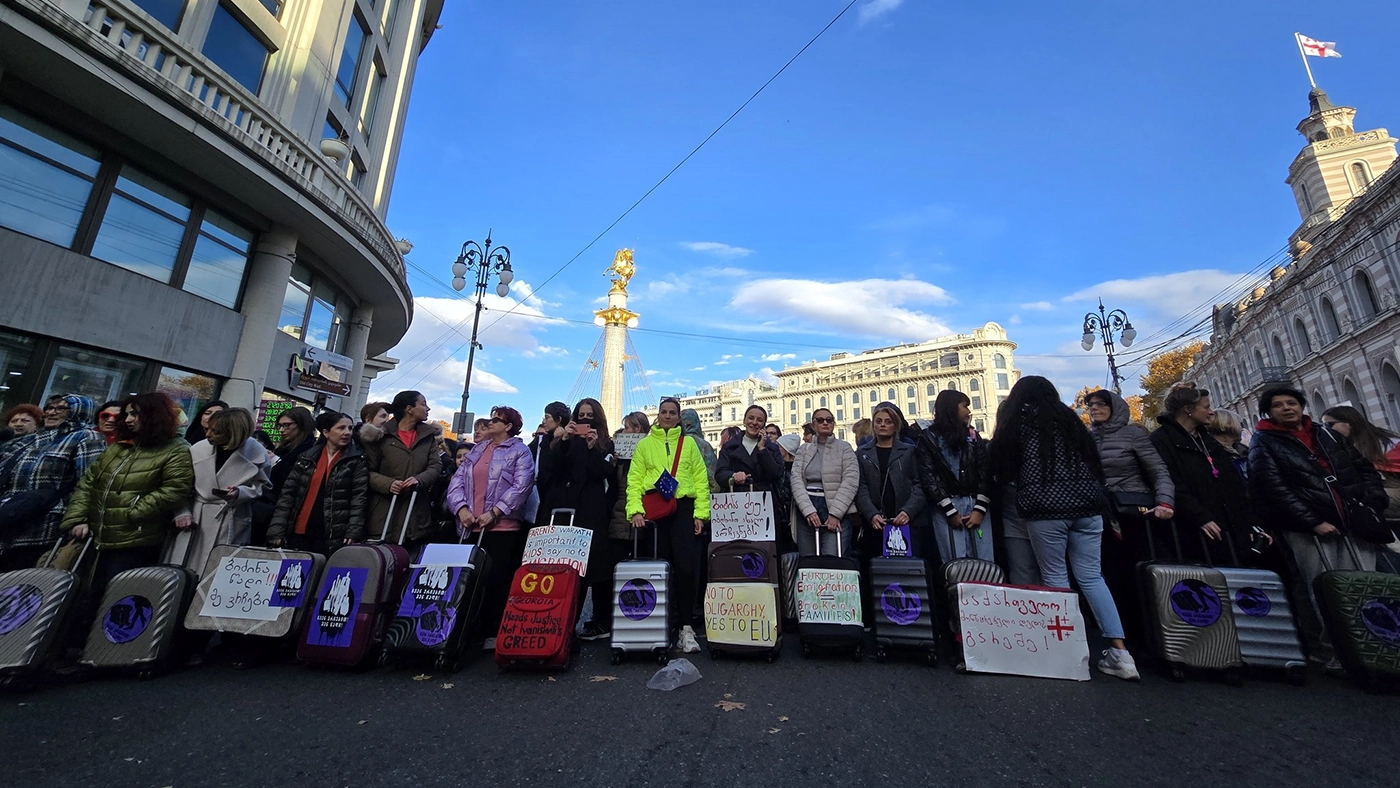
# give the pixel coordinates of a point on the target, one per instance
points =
(1048, 497)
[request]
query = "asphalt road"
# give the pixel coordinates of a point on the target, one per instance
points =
(803, 722)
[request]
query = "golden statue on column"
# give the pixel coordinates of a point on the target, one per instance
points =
(615, 320)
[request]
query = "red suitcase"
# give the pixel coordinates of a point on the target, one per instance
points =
(537, 629)
(359, 592)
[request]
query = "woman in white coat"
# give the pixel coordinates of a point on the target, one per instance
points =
(230, 472)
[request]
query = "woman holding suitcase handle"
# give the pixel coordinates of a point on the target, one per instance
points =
(825, 478)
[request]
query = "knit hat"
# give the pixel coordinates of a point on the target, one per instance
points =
(790, 442)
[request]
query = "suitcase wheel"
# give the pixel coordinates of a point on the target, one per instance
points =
(772, 657)
(932, 659)
(714, 653)
(385, 660)
(1298, 675)
(145, 674)
(859, 653)
(662, 658)
(881, 655)
(1234, 677)
(1177, 673)
(446, 664)
(616, 657)
(806, 650)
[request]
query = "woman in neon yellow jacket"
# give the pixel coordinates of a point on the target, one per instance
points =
(679, 532)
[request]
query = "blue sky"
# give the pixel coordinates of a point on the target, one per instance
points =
(922, 169)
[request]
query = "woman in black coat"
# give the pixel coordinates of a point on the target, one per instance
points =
(955, 479)
(890, 493)
(750, 458)
(323, 502)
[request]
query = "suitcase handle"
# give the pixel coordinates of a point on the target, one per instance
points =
(1224, 537)
(731, 485)
(1326, 563)
(54, 553)
(971, 542)
(655, 542)
(1176, 539)
(571, 512)
(818, 539)
(389, 516)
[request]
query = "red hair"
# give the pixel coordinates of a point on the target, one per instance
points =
(33, 410)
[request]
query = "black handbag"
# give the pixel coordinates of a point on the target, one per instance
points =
(23, 508)
(1366, 524)
(1130, 503)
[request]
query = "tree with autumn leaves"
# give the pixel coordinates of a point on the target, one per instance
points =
(1163, 371)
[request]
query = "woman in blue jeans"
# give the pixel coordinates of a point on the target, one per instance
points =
(1042, 445)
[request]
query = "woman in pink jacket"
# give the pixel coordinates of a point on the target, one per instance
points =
(488, 495)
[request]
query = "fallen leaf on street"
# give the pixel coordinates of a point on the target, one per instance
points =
(774, 730)
(782, 719)
(115, 718)
(551, 678)
(129, 760)
(728, 695)
(362, 722)
(603, 678)
(422, 677)
(729, 705)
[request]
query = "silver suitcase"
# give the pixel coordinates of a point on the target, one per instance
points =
(1264, 620)
(230, 598)
(35, 608)
(140, 617)
(641, 621)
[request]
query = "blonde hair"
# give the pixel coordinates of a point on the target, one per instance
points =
(1225, 423)
(234, 424)
(864, 429)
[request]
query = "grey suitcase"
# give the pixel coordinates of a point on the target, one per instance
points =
(35, 608)
(1191, 625)
(903, 603)
(641, 621)
(1264, 621)
(139, 617)
(298, 576)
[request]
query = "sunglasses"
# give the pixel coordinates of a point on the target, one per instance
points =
(823, 420)
(108, 416)
(498, 420)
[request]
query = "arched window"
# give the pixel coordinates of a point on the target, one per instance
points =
(874, 396)
(838, 399)
(973, 385)
(890, 395)
(1360, 176)
(1349, 391)
(855, 398)
(931, 389)
(909, 393)
(823, 403)
(1304, 197)
(1276, 348)
(952, 385)
(1365, 295)
(999, 361)
(1318, 403)
(807, 403)
(1258, 359)
(1300, 335)
(1331, 328)
(1390, 393)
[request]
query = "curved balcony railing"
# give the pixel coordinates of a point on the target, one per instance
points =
(149, 53)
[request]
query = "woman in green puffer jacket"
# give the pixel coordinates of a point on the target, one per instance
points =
(127, 499)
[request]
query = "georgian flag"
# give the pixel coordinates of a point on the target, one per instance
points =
(1317, 48)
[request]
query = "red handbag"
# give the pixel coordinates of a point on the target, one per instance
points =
(655, 505)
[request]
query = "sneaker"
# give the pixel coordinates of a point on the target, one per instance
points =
(594, 631)
(1394, 546)
(1118, 662)
(687, 642)
(488, 644)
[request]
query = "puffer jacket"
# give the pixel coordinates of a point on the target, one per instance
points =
(1289, 484)
(128, 497)
(510, 480)
(1208, 487)
(941, 485)
(1130, 462)
(345, 501)
(655, 454)
(390, 461)
(902, 475)
(619, 524)
(840, 478)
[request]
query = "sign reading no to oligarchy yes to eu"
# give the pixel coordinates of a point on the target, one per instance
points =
(1023, 631)
(741, 614)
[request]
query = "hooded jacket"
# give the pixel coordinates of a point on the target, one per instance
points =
(1130, 462)
(130, 494)
(654, 454)
(510, 481)
(690, 423)
(1204, 493)
(389, 460)
(1290, 485)
(343, 504)
(54, 458)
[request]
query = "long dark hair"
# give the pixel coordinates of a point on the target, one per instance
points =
(156, 413)
(1034, 404)
(1368, 438)
(195, 432)
(600, 422)
(306, 428)
(947, 422)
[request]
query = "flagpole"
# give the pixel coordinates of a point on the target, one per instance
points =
(1298, 39)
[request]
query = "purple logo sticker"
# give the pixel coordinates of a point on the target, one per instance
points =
(637, 599)
(1382, 618)
(1253, 602)
(900, 606)
(754, 565)
(428, 601)
(333, 620)
(18, 604)
(1195, 602)
(897, 541)
(291, 583)
(127, 618)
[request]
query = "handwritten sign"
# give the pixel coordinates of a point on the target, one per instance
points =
(741, 614)
(245, 588)
(559, 544)
(625, 444)
(742, 515)
(828, 596)
(1023, 631)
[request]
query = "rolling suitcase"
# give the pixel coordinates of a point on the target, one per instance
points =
(139, 618)
(751, 625)
(1362, 614)
(1190, 625)
(641, 620)
(359, 588)
(440, 612)
(35, 608)
(828, 603)
(742, 561)
(787, 563)
(1264, 621)
(537, 628)
(255, 591)
(965, 570)
(904, 616)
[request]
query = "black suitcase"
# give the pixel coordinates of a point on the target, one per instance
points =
(817, 628)
(1362, 614)
(439, 613)
(904, 616)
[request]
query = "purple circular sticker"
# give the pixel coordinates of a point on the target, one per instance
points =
(127, 618)
(434, 623)
(900, 606)
(637, 599)
(1253, 602)
(18, 604)
(754, 565)
(1196, 602)
(1382, 617)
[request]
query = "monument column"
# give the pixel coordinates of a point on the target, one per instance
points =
(615, 320)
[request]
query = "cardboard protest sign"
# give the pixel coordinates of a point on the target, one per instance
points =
(741, 614)
(742, 515)
(1023, 631)
(559, 544)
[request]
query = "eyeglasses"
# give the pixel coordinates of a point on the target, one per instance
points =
(286, 425)
(823, 420)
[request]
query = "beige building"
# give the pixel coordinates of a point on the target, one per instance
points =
(194, 192)
(1329, 322)
(978, 364)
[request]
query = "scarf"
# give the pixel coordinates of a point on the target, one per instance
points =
(324, 464)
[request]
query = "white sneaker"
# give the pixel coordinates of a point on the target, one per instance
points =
(1118, 662)
(489, 644)
(687, 642)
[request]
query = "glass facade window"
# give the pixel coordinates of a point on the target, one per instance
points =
(232, 47)
(1003, 381)
(91, 373)
(16, 368)
(350, 56)
(976, 402)
(143, 226)
(189, 390)
(166, 12)
(390, 15)
(298, 295)
(46, 178)
(219, 258)
(320, 323)
(273, 7)
(374, 85)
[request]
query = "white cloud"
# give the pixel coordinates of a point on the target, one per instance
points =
(768, 375)
(716, 248)
(867, 307)
(697, 369)
(877, 8)
(1164, 297)
(777, 357)
(1015, 320)
(1038, 306)
(546, 350)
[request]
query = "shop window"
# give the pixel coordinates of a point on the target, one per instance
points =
(91, 373)
(16, 368)
(46, 178)
(189, 390)
(219, 259)
(143, 226)
(232, 47)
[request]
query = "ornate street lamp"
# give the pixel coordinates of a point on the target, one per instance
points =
(1106, 324)
(483, 260)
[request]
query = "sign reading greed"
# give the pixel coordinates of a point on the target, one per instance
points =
(258, 589)
(742, 515)
(741, 614)
(1023, 631)
(828, 596)
(559, 544)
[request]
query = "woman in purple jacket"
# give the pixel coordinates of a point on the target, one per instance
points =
(488, 495)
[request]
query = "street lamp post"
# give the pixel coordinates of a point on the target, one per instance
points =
(1106, 324)
(482, 260)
